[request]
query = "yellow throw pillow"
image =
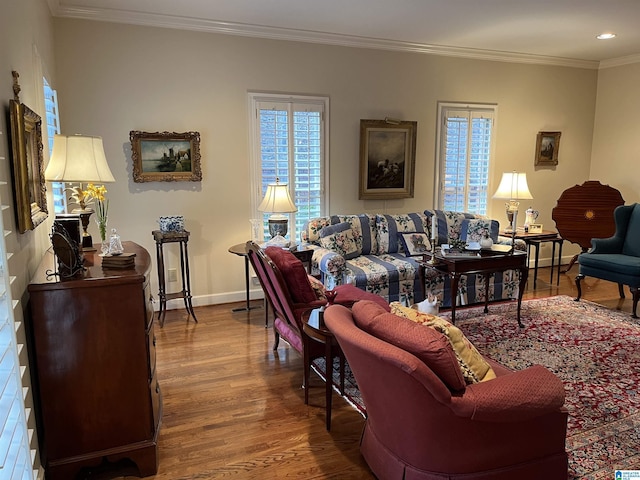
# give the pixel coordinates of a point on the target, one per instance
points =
(474, 368)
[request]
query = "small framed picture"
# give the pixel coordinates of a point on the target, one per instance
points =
(535, 228)
(547, 146)
(165, 156)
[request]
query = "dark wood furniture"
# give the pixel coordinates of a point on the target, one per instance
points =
(485, 263)
(241, 250)
(316, 331)
(584, 212)
(181, 238)
(93, 347)
(534, 240)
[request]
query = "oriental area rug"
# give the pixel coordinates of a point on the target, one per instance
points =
(596, 353)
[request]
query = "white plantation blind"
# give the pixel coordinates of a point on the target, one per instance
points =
(465, 157)
(53, 127)
(15, 454)
(289, 139)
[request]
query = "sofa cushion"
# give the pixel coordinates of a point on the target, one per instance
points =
(318, 288)
(363, 227)
(449, 224)
(474, 368)
(311, 230)
(474, 229)
(339, 238)
(388, 227)
(429, 345)
(294, 274)
(414, 243)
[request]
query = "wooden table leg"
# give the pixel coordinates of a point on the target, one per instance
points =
(329, 381)
(455, 280)
(524, 274)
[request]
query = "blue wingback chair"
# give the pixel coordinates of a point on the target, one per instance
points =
(617, 258)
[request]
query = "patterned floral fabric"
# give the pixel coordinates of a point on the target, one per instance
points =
(339, 238)
(388, 227)
(475, 229)
(383, 268)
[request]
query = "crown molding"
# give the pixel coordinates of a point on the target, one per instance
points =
(618, 62)
(295, 35)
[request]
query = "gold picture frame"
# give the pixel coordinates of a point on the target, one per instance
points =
(387, 159)
(165, 156)
(547, 147)
(27, 163)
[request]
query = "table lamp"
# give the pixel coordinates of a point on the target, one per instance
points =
(513, 187)
(81, 159)
(277, 201)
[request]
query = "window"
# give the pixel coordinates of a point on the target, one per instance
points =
(465, 149)
(289, 141)
(53, 127)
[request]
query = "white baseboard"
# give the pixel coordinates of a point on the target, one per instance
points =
(214, 299)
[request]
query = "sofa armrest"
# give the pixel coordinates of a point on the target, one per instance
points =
(606, 245)
(329, 263)
(515, 396)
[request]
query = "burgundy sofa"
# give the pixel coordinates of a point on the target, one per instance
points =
(510, 427)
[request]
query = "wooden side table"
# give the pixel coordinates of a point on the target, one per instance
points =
(172, 237)
(314, 329)
(241, 250)
(535, 239)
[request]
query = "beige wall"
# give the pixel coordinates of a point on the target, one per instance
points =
(116, 78)
(616, 149)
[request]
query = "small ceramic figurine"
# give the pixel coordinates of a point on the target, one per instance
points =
(486, 242)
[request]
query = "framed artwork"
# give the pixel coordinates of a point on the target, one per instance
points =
(547, 146)
(27, 164)
(165, 156)
(387, 159)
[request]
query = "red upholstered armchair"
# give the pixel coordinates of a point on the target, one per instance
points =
(512, 426)
(288, 290)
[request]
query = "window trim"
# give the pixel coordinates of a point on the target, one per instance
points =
(255, 170)
(442, 109)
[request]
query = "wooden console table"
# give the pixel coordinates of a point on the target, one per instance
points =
(92, 339)
(535, 239)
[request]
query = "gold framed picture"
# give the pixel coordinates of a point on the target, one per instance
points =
(547, 146)
(387, 159)
(165, 156)
(27, 166)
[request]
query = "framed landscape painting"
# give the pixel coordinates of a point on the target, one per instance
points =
(387, 159)
(165, 156)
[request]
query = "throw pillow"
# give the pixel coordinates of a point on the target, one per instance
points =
(474, 229)
(414, 243)
(318, 287)
(474, 367)
(294, 274)
(430, 346)
(339, 238)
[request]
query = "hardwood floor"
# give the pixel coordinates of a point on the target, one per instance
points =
(235, 409)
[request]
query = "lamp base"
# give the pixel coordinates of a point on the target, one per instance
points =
(278, 227)
(87, 241)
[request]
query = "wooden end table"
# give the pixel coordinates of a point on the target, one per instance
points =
(485, 263)
(535, 239)
(314, 329)
(181, 238)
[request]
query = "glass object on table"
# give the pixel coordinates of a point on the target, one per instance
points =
(115, 245)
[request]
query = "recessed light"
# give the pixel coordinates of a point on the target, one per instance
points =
(605, 36)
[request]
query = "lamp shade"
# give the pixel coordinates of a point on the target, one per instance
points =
(78, 158)
(277, 199)
(513, 186)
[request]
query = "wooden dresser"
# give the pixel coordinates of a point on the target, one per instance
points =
(92, 341)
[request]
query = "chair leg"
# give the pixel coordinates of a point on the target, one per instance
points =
(636, 294)
(621, 290)
(579, 278)
(277, 339)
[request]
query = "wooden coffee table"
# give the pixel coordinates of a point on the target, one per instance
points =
(486, 263)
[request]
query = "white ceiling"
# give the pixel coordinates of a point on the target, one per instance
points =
(530, 31)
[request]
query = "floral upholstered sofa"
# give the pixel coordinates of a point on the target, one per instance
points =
(374, 252)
